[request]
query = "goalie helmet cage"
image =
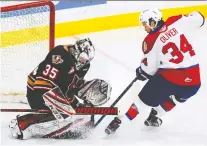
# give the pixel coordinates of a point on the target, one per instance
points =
(27, 33)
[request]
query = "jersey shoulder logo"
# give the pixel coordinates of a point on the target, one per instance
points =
(144, 46)
(149, 41)
(56, 59)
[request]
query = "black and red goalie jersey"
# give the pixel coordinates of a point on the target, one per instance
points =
(63, 67)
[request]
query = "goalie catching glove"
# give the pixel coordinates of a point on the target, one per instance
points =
(96, 91)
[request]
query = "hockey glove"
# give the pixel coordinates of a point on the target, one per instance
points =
(141, 75)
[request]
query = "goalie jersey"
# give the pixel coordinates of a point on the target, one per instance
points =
(169, 52)
(56, 70)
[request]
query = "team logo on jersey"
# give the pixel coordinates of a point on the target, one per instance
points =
(56, 59)
(188, 80)
(144, 46)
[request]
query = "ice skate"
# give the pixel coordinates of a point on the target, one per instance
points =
(153, 120)
(113, 126)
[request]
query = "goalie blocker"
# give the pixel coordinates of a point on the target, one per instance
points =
(60, 123)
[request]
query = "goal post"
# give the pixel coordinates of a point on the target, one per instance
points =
(27, 33)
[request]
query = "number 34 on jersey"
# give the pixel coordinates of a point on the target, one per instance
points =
(170, 51)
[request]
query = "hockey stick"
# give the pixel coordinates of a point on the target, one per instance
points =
(117, 100)
(79, 111)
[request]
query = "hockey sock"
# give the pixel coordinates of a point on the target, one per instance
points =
(132, 112)
(168, 104)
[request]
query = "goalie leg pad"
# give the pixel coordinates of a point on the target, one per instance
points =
(21, 127)
(46, 126)
(58, 103)
(78, 127)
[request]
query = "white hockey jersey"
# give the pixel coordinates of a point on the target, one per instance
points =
(168, 51)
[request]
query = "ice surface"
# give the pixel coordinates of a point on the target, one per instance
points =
(118, 54)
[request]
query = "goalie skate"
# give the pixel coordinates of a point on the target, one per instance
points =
(36, 125)
(16, 131)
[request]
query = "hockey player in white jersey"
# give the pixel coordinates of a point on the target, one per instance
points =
(169, 63)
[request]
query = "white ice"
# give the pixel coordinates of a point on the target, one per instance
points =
(117, 56)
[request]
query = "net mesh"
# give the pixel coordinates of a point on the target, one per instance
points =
(24, 44)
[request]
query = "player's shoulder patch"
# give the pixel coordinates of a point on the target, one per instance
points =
(57, 59)
(144, 46)
(172, 20)
(58, 55)
(149, 42)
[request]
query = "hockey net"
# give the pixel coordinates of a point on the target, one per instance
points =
(27, 34)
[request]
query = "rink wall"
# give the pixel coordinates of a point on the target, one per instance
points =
(102, 16)
(117, 21)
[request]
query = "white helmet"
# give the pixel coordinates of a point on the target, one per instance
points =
(150, 15)
(83, 52)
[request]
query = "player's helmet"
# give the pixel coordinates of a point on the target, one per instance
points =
(149, 16)
(83, 53)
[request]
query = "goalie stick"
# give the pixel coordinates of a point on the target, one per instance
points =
(117, 100)
(79, 111)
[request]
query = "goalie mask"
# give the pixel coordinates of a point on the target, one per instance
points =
(83, 52)
(96, 92)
